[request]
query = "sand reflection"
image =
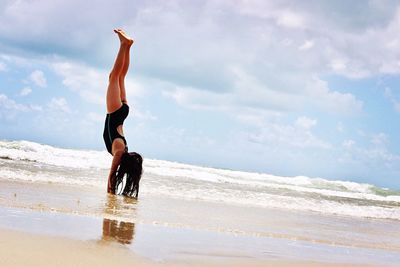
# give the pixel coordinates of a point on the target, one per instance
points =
(118, 230)
(114, 230)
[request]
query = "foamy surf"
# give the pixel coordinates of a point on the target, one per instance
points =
(33, 162)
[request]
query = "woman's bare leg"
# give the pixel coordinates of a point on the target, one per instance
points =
(123, 36)
(114, 90)
(124, 69)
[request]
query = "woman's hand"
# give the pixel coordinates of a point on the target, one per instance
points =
(111, 183)
(112, 177)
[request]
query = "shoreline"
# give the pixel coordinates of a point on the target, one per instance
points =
(40, 248)
(25, 249)
(188, 214)
(166, 231)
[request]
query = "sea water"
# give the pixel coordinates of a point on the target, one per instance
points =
(38, 163)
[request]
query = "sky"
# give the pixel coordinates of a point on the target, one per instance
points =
(281, 87)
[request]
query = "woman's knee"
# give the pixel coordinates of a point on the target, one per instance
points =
(113, 76)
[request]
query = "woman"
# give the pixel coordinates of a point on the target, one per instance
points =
(117, 110)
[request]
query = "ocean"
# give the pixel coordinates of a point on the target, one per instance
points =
(37, 163)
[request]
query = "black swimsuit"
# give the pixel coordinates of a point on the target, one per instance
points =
(113, 120)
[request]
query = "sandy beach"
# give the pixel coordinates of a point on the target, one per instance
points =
(44, 224)
(24, 249)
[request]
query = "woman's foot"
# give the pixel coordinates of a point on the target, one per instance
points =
(123, 37)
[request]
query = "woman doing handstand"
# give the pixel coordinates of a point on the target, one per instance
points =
(117, 110)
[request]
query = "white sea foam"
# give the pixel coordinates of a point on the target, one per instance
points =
(28, 161)
(25, 150)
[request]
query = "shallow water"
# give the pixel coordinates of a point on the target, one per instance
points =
(151, 209)
(33, 162)
(163, 242)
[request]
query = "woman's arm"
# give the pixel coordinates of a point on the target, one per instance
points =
(113, 170)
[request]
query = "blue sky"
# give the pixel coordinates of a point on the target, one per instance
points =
(283, 87)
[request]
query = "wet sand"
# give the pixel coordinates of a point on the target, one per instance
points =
(42, 224)
(24, 249)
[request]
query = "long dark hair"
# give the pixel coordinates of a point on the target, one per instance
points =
(131, 165)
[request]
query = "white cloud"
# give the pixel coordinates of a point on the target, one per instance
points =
(59, 104)
(380, 139)
(36, 107)
(248, 93)
(43, 22)
(95, 117)
(3, 66)
(348, 144)
(38, 78)
(13, 60)
(272, 76)
(88, 82)
(9, 104)
(196, 99)
(296, 135)
(359, 47)
(25, 91)
(306, 45)
(257, 118)
(283, 16)
(197, 26)
(395, 102)
(340, 127)
(305, 123)
(338, 65)
(147, 115)
(332, 101)
(376, 156)
(290, 19)
(91, 83)
(9, 109)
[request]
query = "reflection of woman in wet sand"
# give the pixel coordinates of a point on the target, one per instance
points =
(120, 231)
(117, 110)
